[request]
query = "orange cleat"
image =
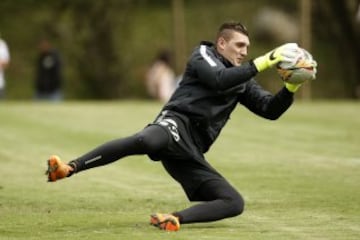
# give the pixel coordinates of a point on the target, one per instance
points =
(57, 169)
(164, 221)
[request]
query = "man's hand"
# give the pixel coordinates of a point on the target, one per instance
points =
(285, 53)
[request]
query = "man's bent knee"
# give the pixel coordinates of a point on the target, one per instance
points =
(151, 141)
(236, 205)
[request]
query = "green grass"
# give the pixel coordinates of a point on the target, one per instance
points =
(300, 175)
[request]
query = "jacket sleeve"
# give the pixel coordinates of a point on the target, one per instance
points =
(212, 72)
(265, 104)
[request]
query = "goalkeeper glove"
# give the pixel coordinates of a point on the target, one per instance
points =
(292, 87)
(285, 53)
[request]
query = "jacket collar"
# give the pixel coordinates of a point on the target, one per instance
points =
(211, 45)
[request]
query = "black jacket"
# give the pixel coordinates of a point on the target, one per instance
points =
(211, 88)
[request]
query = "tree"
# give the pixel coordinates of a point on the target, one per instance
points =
(343, 30)
(94, 51)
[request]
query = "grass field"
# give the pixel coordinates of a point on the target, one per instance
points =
(300, 175)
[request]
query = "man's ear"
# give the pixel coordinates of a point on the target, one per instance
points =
(221, 43)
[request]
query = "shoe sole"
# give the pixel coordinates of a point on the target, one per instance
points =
(52, 167)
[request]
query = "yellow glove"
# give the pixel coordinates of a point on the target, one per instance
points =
(286, 53)
(292, 87)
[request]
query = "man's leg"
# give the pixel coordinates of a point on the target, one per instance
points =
(150, 140)
(202, 183)
(220, 200)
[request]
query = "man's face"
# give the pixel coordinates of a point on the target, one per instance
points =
(235, 48)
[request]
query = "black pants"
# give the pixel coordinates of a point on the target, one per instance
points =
(219, 199)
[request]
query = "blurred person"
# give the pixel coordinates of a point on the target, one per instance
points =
(4, 62)
(48, 79)
(216, 80)
(160, 78)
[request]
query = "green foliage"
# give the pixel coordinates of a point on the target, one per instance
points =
(299, 175)
(108, 45)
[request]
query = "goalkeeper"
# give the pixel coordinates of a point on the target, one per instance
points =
(215, 81)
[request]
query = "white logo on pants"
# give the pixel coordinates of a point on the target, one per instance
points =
(171, 125)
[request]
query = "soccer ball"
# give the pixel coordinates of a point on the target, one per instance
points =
(302, 70)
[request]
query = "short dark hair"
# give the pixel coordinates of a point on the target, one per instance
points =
(227, 28)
